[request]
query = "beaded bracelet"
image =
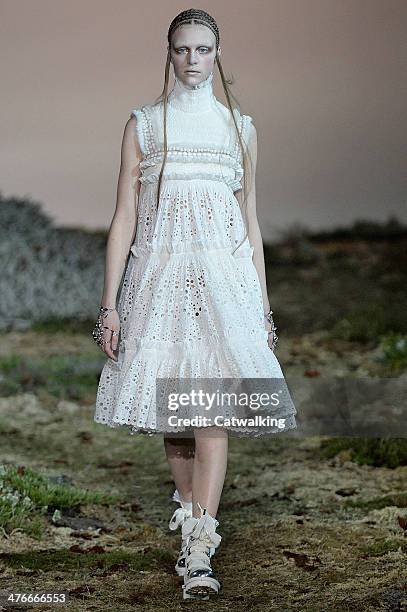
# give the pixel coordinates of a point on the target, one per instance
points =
(269, 318)
(97, 332)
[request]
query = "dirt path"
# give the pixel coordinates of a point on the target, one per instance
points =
(290, 539)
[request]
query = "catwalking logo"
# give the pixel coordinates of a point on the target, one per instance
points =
(221, 421)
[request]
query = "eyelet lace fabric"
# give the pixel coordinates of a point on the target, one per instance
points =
(190, 304)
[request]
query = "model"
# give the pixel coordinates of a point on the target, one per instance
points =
(194, 301)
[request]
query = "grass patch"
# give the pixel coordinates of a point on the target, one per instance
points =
(65, 560)
(70, 325)
(394, 351)
(26, 495)
(382, 547)
(375, 321)
(63, 376)
(379, 452)
(378, 503)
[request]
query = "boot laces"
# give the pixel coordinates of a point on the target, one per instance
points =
(180, 515)
(202, 541)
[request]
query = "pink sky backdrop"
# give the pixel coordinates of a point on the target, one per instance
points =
(324, 80)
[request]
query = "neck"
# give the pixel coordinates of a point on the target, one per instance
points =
(195, 99)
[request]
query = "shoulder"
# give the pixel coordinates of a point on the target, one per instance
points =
(137, 116)
(131, 147)
(251, 131)
(138, 123)
(246, 127)
(244, 122)
(145, 112)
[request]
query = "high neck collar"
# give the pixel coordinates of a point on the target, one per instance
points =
(197, 99)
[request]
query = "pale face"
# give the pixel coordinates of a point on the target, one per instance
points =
(193, 48)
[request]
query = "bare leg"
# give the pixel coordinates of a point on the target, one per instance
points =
(210, 463)
(180, 456)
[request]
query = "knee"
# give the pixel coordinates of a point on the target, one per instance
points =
(179, 447)
(173, 441)
(210, 443)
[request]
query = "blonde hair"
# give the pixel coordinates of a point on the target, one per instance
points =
(197, 16)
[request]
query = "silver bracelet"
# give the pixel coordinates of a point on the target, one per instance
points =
(269, 318)
(97, 332)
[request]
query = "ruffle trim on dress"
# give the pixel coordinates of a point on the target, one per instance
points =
(235, 432)
(185, 153)
(127, 389)
(141, 130)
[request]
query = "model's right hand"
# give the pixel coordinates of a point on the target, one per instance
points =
(111, 321)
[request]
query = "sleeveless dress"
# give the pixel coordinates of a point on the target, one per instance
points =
(190, 304)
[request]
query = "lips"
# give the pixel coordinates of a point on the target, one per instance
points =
(192, 71)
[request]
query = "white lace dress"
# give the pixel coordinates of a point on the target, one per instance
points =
(189, 307)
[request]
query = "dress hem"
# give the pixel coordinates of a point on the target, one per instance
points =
(233, 431)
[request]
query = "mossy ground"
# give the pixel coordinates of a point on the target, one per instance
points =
(307, 523)
(305, 526)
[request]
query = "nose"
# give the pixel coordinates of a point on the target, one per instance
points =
(192, 58)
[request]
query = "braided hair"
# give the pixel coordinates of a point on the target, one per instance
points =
(198, 16)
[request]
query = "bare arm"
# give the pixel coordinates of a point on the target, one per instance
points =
(123, 226)
(253, 224)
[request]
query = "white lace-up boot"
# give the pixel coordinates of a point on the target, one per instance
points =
(202, 540)
(178, 518)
